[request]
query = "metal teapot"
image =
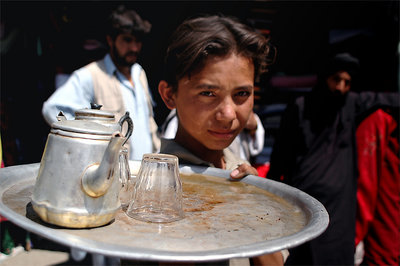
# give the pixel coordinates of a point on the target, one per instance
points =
(124, 124)
(77, 184)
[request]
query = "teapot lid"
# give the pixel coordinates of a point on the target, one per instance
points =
(94, 114)
(67, 127)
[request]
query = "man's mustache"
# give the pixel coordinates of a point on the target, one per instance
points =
(132, 54)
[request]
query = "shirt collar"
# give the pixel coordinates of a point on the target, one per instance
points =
(169, 146)
(110, 66)
(186, 157)
(111, 69)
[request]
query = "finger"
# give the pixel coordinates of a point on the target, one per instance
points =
(237, 175)
(242, 171)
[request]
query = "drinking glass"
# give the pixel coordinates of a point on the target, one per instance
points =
(157, 196)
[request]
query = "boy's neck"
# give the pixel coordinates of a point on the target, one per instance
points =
(216, 157)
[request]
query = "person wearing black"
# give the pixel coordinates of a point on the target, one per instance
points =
(315, 151)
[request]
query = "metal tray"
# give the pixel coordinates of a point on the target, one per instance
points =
(223, 219)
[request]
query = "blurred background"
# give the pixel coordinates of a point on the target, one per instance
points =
(41, 42)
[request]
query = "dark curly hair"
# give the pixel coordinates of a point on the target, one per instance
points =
(199, 38)
(127, 21)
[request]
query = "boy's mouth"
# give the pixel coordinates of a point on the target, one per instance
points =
(222, 134)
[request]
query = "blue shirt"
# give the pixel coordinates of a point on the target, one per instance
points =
(77, 93)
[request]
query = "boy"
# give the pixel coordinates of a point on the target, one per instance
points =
(210, 68)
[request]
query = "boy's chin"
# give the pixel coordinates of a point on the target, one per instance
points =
(219, 146)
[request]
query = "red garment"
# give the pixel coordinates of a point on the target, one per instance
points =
(378, 192)
(262, 169)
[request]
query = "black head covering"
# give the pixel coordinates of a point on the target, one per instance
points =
(339, 62)
(342, 62)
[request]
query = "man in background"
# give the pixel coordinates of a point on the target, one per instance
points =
(315, 151)
(117, 82)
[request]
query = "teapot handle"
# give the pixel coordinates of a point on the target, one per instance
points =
(126, 118)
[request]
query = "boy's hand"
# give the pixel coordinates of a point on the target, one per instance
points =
(243, 170)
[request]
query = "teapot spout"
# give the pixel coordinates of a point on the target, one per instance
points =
(97, 179)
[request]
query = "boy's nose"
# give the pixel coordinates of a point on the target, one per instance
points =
(226, 112)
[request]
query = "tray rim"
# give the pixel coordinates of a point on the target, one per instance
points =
(318, 220)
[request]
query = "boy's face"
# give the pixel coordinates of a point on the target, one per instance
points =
(213, 105)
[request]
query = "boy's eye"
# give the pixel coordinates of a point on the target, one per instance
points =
(243, 93)
(207, 93)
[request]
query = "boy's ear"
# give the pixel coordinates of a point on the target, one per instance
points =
(166, 94)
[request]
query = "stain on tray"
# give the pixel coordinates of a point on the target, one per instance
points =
(197, 198)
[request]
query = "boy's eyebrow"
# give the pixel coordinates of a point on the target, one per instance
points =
(211, 86)
(206, 86)
(247, 87)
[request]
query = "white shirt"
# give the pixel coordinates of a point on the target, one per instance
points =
(77, 93)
